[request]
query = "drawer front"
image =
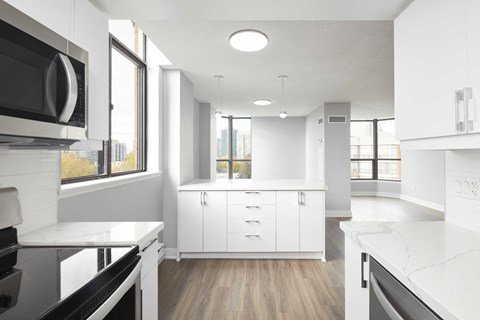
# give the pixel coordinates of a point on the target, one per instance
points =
(251, 197)
(251, 212)
(238, 242)
(254, 226)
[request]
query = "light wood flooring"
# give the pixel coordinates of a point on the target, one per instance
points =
(273, 289)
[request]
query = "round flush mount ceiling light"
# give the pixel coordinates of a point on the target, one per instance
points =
(248, 40)
(262, 102)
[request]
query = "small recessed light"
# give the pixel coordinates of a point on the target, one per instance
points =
(262, 102)
(248, 40)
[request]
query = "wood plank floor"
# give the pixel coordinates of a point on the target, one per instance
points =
(272, 289)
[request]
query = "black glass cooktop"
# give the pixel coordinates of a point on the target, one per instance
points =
(34, 280)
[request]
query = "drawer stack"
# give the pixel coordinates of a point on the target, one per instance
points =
(251, 221)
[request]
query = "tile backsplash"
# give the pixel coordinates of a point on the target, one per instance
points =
(460, 208)
(36, 176)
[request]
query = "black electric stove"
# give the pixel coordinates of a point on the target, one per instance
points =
(59, 283)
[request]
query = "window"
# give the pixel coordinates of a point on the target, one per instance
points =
(234, 148)
(375, 154)
(124, 152)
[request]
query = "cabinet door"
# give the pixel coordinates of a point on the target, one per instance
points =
(288, 221)
(91, 34)
(215, 221)
(430, 64)
(149, 286)
(356, 297)
(312, 221)
(190, 221)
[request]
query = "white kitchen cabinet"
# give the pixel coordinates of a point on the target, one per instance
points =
(430, 64)
(149, 279)
(300, 221)
(356, 288)
(202, 225)
(83, 24)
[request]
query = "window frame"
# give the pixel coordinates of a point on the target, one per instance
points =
(375, 160)
(105, 155)
(230, 159)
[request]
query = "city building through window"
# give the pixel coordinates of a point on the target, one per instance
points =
(124, 152)
(374, 151)
(234, 148)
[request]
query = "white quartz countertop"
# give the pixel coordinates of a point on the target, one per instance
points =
(252, 184)
(438, 261)
(93, 234)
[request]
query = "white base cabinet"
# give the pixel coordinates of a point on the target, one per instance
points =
(149, 280)
(356, 289)
(240, 222)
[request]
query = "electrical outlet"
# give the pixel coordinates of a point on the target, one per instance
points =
(468, 188)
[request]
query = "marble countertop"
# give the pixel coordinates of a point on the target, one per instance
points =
(252, 184)
(438, 261)
(93, 234)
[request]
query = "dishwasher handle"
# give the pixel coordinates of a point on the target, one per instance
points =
(387, 306)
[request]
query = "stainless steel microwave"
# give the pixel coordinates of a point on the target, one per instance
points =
(43, 83)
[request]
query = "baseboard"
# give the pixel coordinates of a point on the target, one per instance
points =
(171, 253)
(375, 194)
(338, 213)
(255, 255)
(424, 203)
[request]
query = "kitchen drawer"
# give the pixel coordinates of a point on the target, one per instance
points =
(238, 242)
(252, 227)
(265, 211)
(149, 256)
(251, 197)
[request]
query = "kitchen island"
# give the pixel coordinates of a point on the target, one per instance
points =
(437, 261)
(110, 234)
(269, 219)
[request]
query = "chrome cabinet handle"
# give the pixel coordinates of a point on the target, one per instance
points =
(252, 220)
(252, 235)
(204, 198)
(299, 201)
(363, 260)
(201, 198)
(252, 207)
(460, 113)
(252, 192)
(72, 90)
(469, 114)
(387, 306)
(302, 198)
(151, 242)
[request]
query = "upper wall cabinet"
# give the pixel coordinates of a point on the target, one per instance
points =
(80, 22)
(437, 74)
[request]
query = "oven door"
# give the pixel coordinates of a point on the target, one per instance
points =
(125, 302)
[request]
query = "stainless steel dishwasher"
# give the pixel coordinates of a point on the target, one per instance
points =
(389, 299)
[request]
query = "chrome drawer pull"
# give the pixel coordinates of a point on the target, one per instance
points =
(252, 192)
(252, 235)
(152, 242)
(252, 220)
(252, 207)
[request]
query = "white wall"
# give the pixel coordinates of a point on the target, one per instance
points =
(461, 211)
(204, 140)
(423, 178)
(196, 139)
(314, 153)
(278, 148)
(35, 175)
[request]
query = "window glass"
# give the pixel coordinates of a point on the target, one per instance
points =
(222, 138)
(389, 169)
(388, 146)
(361, 169)
(126, 98)
(222, 169)
(361, 140)
(241, 139)
(128, 33)
(242, 169)
(81, 164)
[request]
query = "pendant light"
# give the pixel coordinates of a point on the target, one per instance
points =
(218, 113)
(283, 114)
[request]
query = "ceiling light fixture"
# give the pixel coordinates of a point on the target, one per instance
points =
(248, 40)
(218, 113)
(262, 102)
(283, 114)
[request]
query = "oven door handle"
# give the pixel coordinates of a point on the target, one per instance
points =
(72, 90)
(387, 306)
(110, 303)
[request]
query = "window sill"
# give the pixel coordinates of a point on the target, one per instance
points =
(78, 188)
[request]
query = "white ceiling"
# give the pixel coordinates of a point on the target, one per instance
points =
(326, 61)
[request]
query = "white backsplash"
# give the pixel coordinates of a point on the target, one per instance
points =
(35, 175)
(460, 209)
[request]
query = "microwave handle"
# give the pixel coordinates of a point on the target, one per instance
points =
(72, 90)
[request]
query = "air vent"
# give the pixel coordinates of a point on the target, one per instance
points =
(320, 120)
(337, 119)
